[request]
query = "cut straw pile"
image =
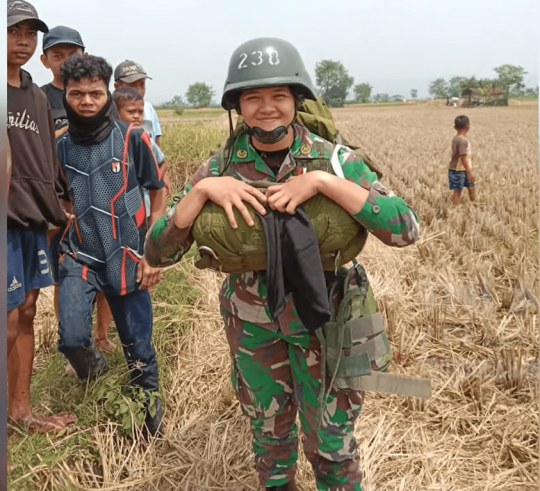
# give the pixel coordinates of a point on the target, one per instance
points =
(459, 307)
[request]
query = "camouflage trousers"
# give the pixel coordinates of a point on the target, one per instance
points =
(278, 377)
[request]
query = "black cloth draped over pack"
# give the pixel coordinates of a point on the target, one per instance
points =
(294, 266)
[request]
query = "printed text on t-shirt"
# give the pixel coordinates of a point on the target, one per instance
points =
(22, 121)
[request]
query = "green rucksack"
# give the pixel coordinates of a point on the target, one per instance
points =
(317, 118)
(341, 238)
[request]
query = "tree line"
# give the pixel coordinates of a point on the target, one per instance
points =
(198, 95)
(508, 83)
(334, 83)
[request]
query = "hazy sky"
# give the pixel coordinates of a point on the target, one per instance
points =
(395, 45)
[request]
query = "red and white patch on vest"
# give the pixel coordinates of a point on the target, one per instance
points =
(115, 166)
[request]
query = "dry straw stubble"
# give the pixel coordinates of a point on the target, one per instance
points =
(460, 308)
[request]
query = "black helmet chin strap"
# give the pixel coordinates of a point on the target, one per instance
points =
(231, 129)
(268, 137)
(273, 136)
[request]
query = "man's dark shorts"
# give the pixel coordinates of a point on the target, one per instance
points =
(28, 265)
(457, 180)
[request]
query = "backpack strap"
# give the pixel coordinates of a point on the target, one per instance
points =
(353, 370)
(223, 155)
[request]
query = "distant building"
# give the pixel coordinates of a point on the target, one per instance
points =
(483, 95)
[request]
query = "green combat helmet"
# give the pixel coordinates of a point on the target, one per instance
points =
(265, 62)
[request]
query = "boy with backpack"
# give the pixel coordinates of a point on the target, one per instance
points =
(107, 163)
(276, 360)
(34, 207)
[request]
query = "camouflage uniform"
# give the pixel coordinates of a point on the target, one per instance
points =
(276, 368)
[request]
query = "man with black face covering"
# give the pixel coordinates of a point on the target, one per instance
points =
(107, 163)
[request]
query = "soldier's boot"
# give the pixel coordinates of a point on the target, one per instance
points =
(290, 486)
(87, 362)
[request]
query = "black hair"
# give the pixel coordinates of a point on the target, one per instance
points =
(126, 94)
(461, 122)
(79, 66)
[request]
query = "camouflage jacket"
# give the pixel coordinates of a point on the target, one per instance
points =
(244, 295)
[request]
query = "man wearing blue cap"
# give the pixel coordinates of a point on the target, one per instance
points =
(58, 45)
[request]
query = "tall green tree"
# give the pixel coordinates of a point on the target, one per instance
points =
(382, 98)
(176, 101)
(467, 83)
(333, 81)
(362, 92)
(455, 86)
(199, 94)
(439, 89)
(510, 76)
(414, 94)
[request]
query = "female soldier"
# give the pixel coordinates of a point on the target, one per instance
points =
(276, 363)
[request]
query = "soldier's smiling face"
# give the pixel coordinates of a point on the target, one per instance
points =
(86, 96)
(268, 107)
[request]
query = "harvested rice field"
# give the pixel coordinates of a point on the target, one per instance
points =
(460, 306)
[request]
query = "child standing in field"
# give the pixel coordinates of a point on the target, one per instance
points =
(460, 168)
(58, 45)
(34, 207)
